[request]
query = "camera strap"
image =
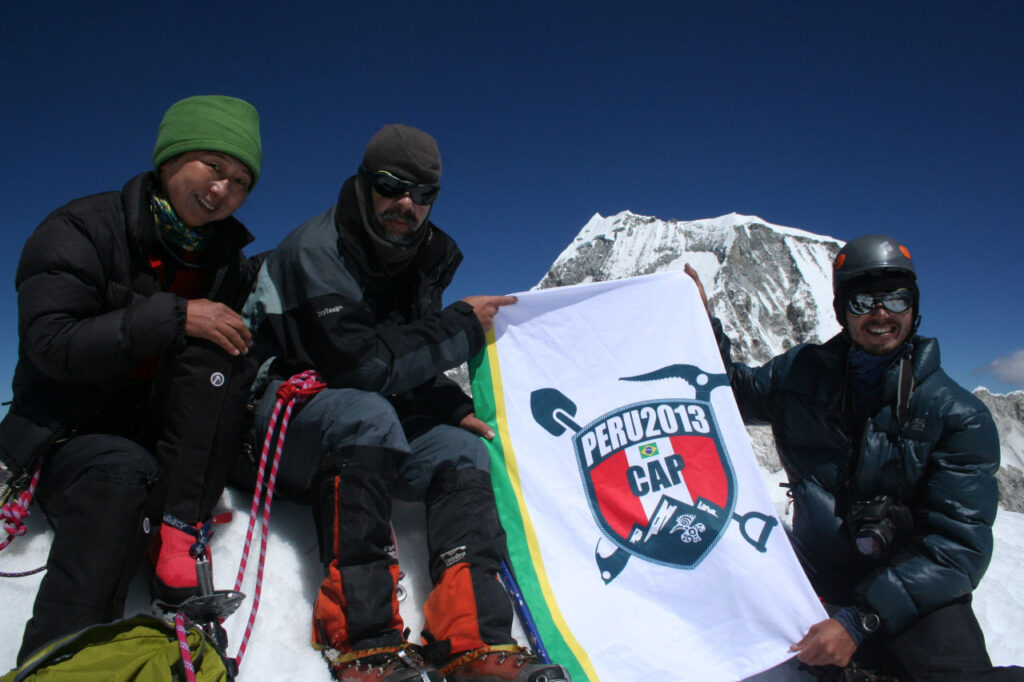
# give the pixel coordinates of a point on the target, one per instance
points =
(904, 388)
(903, 391)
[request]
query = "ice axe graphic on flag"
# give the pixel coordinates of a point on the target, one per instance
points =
(642, 501)
(703, 382)
(554, 411)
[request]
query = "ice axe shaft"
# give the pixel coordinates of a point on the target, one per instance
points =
(522, 609)
(554, 411)
(204, 576)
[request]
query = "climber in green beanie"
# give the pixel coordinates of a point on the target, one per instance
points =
(213, 123)
(133, 367)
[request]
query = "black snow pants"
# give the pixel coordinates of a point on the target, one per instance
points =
(946, 645)
(154, 447)
(102, 495)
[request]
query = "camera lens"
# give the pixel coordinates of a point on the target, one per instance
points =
(873, 539)
(869, 546)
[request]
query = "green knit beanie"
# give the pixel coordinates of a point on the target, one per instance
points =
(215, 123)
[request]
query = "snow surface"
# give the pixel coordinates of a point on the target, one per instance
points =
(279, 647)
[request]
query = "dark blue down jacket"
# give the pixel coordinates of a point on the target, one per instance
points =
(940, 462)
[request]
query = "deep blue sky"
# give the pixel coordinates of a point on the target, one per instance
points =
(840, 118)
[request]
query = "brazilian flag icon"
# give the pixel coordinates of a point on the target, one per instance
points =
(648, 450)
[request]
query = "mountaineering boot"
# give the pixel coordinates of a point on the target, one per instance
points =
(173, 554)
(383, 664)
(502, 663)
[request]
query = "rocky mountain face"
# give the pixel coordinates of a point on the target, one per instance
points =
(1008, 411)
(770, 285)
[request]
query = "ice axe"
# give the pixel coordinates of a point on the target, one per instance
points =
(703, 382)
(554, 411)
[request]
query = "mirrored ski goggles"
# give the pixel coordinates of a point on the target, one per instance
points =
(389, 186)
(898, 301)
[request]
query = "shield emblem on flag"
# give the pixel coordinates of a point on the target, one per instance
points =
(658, 479)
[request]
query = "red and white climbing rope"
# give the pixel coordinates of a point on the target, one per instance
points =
(186, 653)
(296, 390)
(14, 513)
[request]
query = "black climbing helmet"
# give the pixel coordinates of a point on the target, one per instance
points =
(872, 263)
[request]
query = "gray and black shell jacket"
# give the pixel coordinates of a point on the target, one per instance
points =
(91, 310)
(940, 462)
(322, 302)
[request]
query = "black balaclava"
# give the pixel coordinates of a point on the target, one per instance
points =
(407, 153)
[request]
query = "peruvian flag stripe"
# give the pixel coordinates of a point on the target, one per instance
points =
(619, 507)
(703, 470)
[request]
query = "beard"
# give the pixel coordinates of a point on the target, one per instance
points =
(408, 236)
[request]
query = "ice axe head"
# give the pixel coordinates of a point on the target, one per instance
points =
(553, 410)
(702, 382)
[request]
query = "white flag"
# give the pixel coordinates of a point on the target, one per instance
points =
(640, 529)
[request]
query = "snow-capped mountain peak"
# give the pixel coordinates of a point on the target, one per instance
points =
(776, 276)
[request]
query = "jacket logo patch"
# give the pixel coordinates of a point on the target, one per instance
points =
(656, 474)
(217, 379)
(329, 311)
(453, 556)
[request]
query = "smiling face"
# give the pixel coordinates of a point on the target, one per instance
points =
(879, 331)
(204, 187)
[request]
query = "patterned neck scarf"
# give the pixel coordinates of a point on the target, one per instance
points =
(175, 232)
(867, 370)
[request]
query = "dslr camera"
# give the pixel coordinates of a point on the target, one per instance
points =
(879, 526)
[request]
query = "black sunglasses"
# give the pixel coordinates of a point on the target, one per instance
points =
(389, 186)
(898, 301)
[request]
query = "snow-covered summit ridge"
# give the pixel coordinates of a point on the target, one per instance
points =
(632, 226)
(774, 275)
(599, 223)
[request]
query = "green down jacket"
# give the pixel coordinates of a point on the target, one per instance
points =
(940, 462)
